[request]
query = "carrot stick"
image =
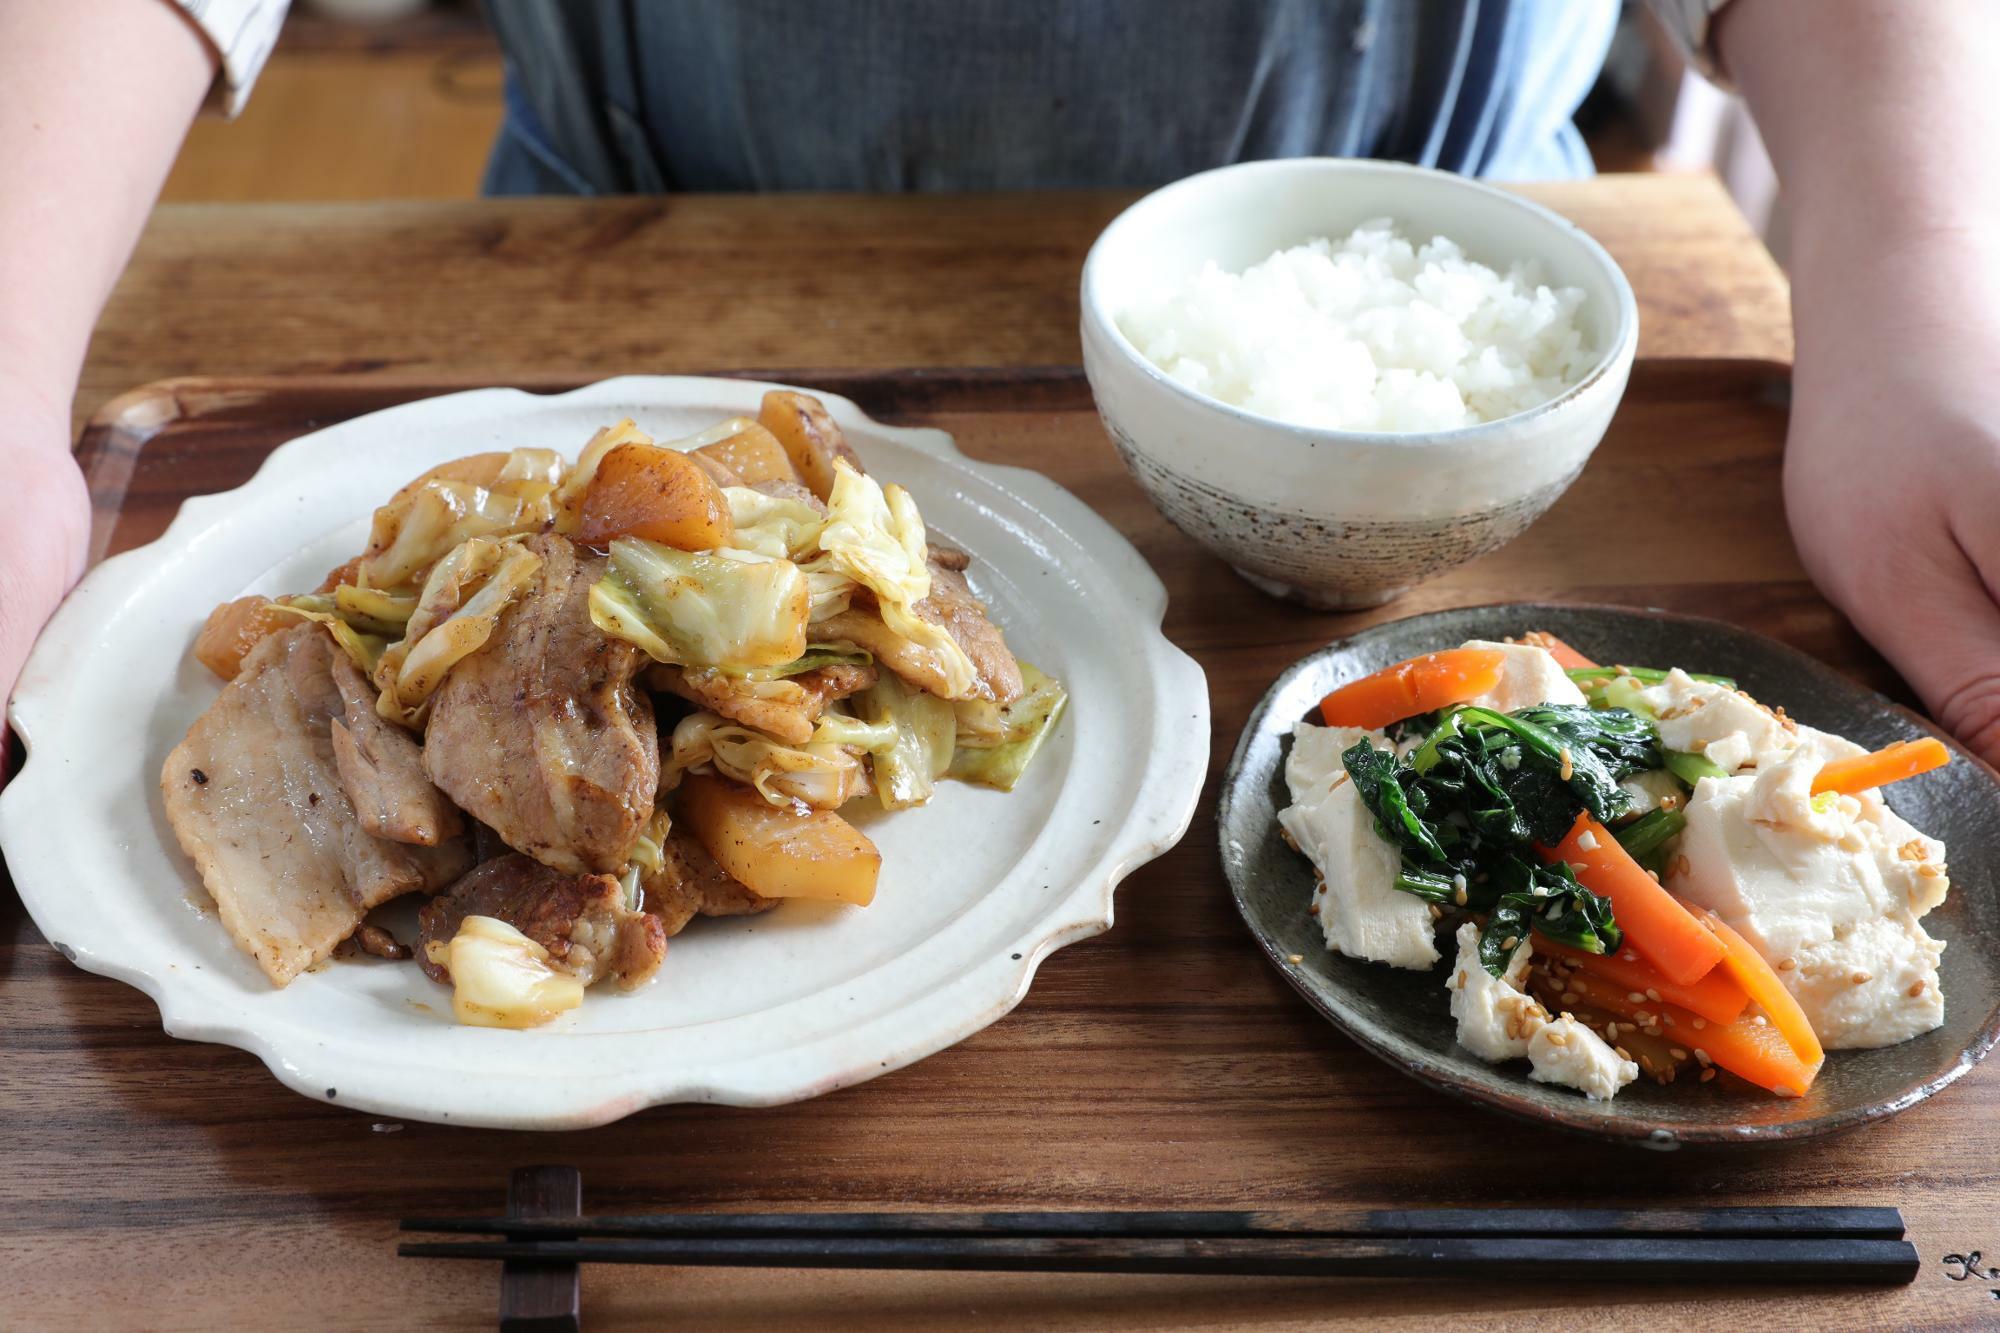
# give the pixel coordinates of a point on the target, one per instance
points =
(1892, 763)
(1568, 658)
(1717, 997)
(1666, 933)
(1755, 975)
(1435, 680)
(1754, 1051)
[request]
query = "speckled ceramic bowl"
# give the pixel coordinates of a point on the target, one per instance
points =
(1402, 1015)
(1341, 518)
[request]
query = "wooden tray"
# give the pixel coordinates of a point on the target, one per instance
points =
(1160, 1065)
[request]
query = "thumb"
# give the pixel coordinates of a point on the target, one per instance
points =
(1943, 634)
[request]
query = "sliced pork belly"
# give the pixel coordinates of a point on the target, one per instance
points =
(963, 616)
(381, 768)
(692, 883)
(787, 709)
(541, 734)
(255, 798)
(582, 920)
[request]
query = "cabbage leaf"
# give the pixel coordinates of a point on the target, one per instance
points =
(363, 649)
(485, 495)
(461, 603)
(1025, 724)
(723, 608)
(779, 526)
(922, 732)
(875, 537)
(374, 611)
(822, 774)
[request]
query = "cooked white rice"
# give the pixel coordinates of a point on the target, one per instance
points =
(1374, 333)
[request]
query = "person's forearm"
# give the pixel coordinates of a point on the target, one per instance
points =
(1883, 120)
(99, 94)
(1882, 117)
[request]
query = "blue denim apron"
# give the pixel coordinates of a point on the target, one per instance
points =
(622, 96)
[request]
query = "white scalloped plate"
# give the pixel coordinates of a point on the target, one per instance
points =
(976, 889)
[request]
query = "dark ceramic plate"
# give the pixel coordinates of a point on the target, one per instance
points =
(1402, 1015)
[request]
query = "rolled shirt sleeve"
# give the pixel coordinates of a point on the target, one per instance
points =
(242, 33)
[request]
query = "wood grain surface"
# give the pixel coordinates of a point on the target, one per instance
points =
(1161, 1065)
(523, 289)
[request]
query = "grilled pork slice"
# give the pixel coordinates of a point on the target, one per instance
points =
(690, 883)
(541, 734)
(786, 709)
(381, 768)
(952, 605)
(255, 798)
(582, 920)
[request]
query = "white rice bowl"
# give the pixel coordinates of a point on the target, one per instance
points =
(1371, 333)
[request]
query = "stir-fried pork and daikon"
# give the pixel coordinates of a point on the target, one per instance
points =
(582, 704)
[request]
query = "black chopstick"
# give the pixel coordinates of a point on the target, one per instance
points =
(1818, 1260)
(1848, 1223)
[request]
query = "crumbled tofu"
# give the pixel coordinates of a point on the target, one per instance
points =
(1565, 1052)
(1496, 1017)
(1873, 984)
(1702, 717)
(1361, 911)
(1528, 676)
(1829, 888)
(1652, 789)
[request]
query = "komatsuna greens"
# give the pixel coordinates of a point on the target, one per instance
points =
(1469, 806)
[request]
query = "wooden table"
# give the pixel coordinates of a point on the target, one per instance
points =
(150, 1181)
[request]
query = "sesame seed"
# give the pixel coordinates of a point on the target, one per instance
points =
(1652, 995)
(1917, 988)
(1707, 1074)
(1702, 1057)
(1860, 979)
(1762, 1021)
(1700, 1022)
(1787, 964)
(1510, 941)
(1635, 997)
(1569, 770)
(1677, 1053)
(1297, 958)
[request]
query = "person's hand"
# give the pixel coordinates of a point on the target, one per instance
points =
(42, 533)
(1892, 485)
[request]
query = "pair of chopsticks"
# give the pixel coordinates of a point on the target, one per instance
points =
(1747, 1245)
